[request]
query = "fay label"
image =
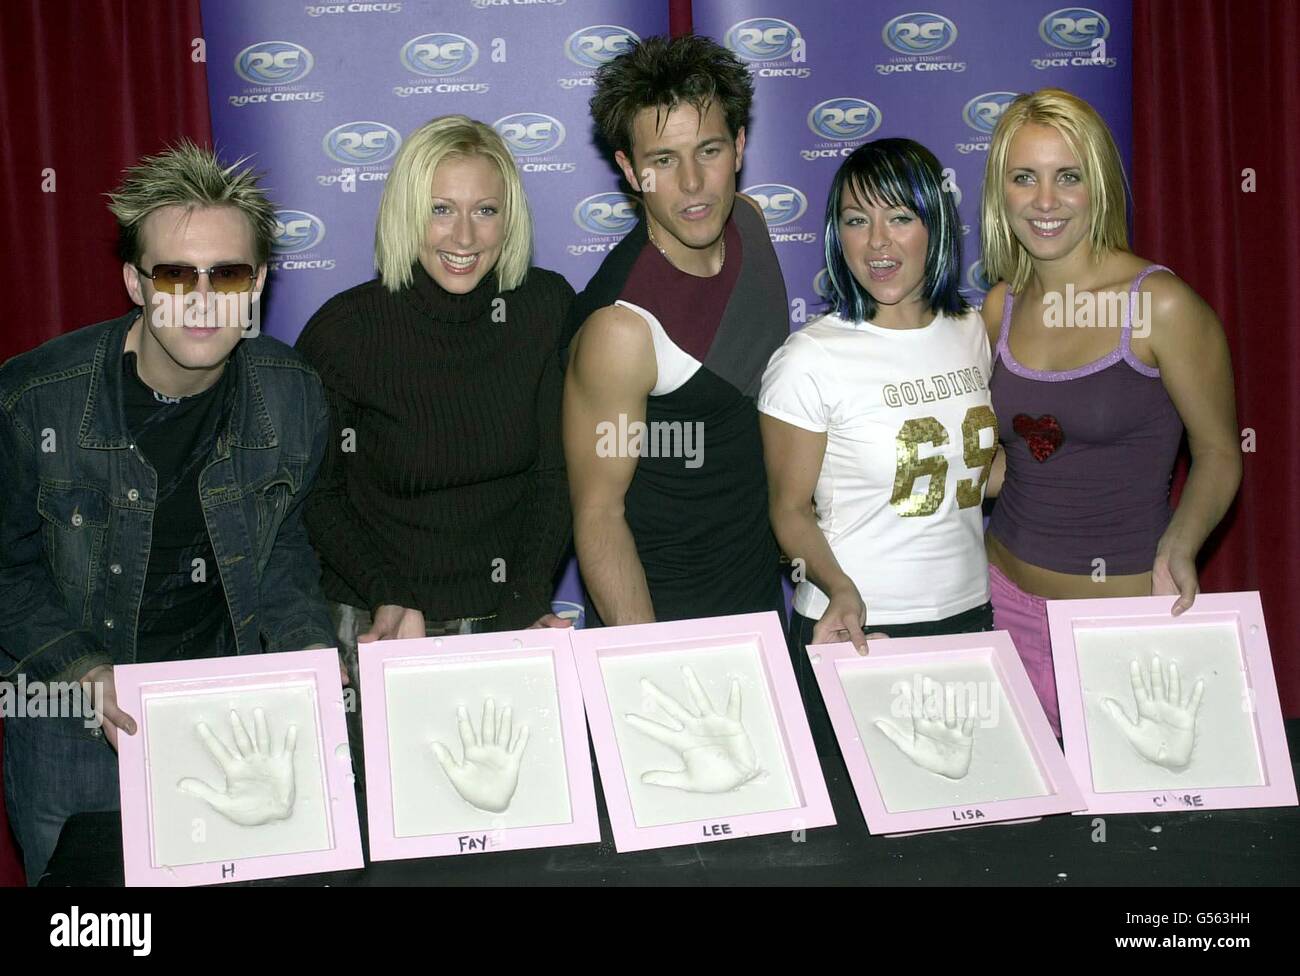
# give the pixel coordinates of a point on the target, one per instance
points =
(476, 843)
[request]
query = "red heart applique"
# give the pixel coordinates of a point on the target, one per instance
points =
(1043, 435)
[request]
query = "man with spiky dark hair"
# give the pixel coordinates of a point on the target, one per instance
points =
(154, 470)
(672, 336)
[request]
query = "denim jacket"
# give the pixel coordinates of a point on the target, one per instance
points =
(77, 501)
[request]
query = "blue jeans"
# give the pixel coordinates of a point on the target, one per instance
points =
(53, 768)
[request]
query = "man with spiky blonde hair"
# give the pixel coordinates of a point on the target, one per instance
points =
(154, 469)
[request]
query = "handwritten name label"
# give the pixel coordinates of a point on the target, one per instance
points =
(716, 830)
(473, 843)
(974, 813)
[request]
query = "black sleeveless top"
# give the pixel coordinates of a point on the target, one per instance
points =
(701, 528)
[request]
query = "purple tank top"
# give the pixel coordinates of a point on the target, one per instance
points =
(1090, 452)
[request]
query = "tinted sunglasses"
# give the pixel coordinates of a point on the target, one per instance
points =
(223, 278)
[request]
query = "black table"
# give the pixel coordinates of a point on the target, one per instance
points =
(1236, 847)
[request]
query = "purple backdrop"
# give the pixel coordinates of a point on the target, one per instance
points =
(829, 77)
(321, 94)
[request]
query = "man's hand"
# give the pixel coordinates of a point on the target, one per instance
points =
(259, 777)
(391, 622)
(717, 754)
(550, 620)
(111, 717)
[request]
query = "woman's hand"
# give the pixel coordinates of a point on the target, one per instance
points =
(843, 620)
(1174, 572)
(391, 622)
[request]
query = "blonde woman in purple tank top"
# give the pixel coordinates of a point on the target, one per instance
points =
(1101, 360)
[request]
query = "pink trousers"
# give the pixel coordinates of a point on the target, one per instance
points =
(1025, 617)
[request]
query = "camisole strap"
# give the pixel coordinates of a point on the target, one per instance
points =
(1126, 330)
(1007, 301)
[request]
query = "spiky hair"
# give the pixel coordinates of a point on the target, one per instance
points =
(187, 175)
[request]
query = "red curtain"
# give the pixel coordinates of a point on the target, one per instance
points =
(89, 87)
(679, 17)
(1216, 94)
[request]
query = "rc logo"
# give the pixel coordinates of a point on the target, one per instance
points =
(782, 204)
(361, 143)
(530, 133)
(844, 119)
(1074, 28)
(983, 111)
(273, 63)
(296, 231)
(919, 33)
(975, 278)
(822, 285)
(612, 214)
(590, 47)
(439, 55)
(568, 610)
(762, 39)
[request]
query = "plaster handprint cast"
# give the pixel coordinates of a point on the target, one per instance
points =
(939, 741)
(488, 774)
(1165, 729)
(716, 752)
(259, 780)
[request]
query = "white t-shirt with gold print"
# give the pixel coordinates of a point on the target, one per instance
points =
(910, 439)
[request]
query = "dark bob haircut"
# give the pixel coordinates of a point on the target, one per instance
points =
(896, 173)
(664, 73)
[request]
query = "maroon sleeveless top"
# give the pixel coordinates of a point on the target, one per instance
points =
(1090, 452)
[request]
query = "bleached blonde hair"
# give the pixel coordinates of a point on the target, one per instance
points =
(187, 175)
(405, 212)
(1089, 138)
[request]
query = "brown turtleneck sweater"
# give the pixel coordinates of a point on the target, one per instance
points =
(456, 477)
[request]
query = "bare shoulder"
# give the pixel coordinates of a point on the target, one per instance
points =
(1177, 313)
(991, 311)
(615, 327)
(1173, 325)
(612, 345)
(1169, 293)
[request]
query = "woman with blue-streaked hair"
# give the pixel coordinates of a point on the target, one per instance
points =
(878, 432)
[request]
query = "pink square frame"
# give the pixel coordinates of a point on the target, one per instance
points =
(459, 649)
(589, 646)
(831, 661)
(1243, 610)
(135, 683)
